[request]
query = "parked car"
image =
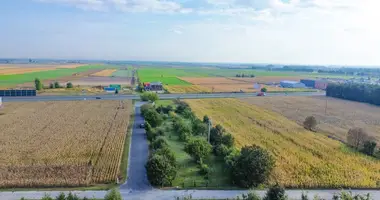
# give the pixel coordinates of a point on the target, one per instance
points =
(142, 125)
(98, 98)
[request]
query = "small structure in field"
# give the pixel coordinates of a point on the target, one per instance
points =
(317, 84)
(292, 84)
(153, 86)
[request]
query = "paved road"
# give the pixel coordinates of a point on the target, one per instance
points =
(162, 96)
(139, 152)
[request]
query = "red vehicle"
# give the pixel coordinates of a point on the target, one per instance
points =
(261, 94)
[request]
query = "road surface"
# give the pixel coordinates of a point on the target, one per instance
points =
(139, 152)
(162, 96)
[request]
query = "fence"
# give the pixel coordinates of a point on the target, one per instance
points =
(17, 93)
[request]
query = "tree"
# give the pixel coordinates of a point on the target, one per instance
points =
(276, 192)
(149, 96)
(51, 86)
(144, 108)
(222, 150)
(264, 89)
(56, 85)
(198, 148)
(228, 139)
(38, 84)
(181, 107)
(199, 128)
(116, 91)
(216, 134)
(206, 119)
(69, 85)
(310, 123)
(252, 167)
(159, 143)
(113, 194)
(356, 137)
(160, 170)
(168, 154)
(369, 147)
(153, 117)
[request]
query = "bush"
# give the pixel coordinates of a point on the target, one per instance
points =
(252, 167)
(168, 154)
(71, 196)
(206, 119)
(356, 137)
(181, 107)
(199, 128)
(205, 170)
(182, 128)
(61, 196)
(369, 148)
(56, 85)
(276, 192)
(216, 134)
(38, 84)
(150, 133)
(46, 197)
(153, 118)
(69, 85)
(198, 148)
(264, 89)
(114, 194)
(222, 150)
(228, 140)
(149, 96)
(251, 196)
(188, 114)
(51, 86)
(158, 143)
(144, 108)
(310, 123)
(160, 170)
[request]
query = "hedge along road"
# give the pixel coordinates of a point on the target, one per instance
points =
(138, 187)
(162, 96)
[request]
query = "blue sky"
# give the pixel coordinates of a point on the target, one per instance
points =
(342, 32)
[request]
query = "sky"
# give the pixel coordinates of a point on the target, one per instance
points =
(323, 32)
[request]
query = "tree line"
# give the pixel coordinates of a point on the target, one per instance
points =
(355, 92)
(39, 86)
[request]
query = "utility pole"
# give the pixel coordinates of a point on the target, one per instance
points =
(326, 107)
(209, 130)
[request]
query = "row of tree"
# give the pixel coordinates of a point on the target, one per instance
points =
(39, 86)
(245, 75)
(355, 92)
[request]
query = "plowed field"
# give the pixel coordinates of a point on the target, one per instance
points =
(61, 143)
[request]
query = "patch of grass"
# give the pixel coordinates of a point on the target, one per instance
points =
(188, 172)
(127, 143)
(164, 103)
(12, 80)
(303, 158)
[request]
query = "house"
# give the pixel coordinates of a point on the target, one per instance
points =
(153, 86)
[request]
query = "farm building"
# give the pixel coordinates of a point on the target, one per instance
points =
(153, 86)
(317, 84)
(292, 84)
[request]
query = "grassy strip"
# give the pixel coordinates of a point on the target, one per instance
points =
(127, 143)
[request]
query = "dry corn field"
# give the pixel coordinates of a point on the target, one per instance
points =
(106, 72)
(10, 71)
(340, 115)
(303, 159)
(73, 143)
(186, 88)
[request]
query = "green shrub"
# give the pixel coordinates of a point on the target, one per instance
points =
(144, 108)
(252, 167)
(38, 84)
(199, 128)
(51, 86)
(46, 197)
(251, 196)
(168, 154)
(158, 143)
(149, 96)
(61, 196)
(153, 117)
(181, 107)
(264, 89)
(198, 148)
(69, 85)
(204, 170)
(222, 150)
(113, 194)
(369, 147)
(72, 196)
(56, 85)
(160, 170)
(228, 139)
(276, 192)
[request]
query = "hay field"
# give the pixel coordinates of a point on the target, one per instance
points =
(340, 116)
(303, 159)
(269, 79)
(106, 72)
(72, 143)
(69, 66)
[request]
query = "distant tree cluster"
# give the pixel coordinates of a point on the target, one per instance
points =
(359, 139)
(242, 75)
(292, 69)
(149, 96)
(355, 92)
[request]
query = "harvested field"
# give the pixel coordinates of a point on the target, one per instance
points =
(69, 66)
(340, 116)
(104, 81)
(106, 72)
(303, 159)
(12, 71)
(73, 143)
(269, 79)
(186, 89)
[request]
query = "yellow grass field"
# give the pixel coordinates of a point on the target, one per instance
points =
(73, 143)
(10, 71)
(340, 115)
(106, 72)
(69, 66)
(186, 88)
(303, 159)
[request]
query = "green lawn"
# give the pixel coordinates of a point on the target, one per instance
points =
(164, 103)
(12, 80)
(168, 76)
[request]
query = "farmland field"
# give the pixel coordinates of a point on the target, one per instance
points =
(340, 116)
(62, 143)
(122, 73)
(13, 80)
(168, 76)
(187, 89)
(303, 159)
(105, 72)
